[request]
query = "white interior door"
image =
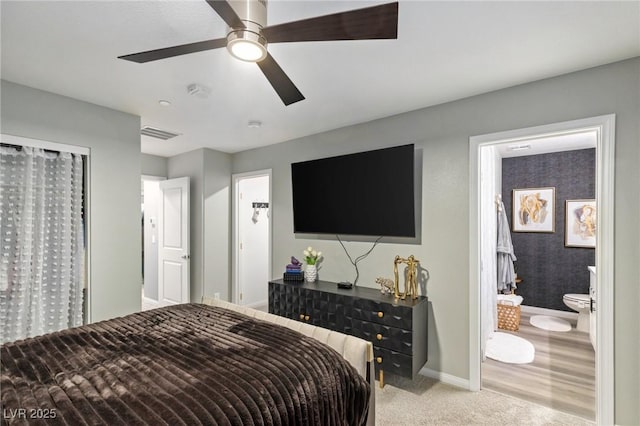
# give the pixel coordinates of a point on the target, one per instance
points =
(173, 242)
(253, 233)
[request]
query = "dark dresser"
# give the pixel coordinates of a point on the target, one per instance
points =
(397, 328)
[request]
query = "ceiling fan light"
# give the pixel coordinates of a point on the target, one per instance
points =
(247, 46)
(247, 51)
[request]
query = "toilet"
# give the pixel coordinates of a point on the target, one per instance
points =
(581, 304)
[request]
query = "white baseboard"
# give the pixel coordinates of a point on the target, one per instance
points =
(260, 304)
(148, 304)
(446, 378)
(550, 312)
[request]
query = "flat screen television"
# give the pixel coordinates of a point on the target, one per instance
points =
(368, 193)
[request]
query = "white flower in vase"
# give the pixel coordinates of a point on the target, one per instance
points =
(311, 258)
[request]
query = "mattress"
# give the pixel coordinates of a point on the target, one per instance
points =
(185, 364)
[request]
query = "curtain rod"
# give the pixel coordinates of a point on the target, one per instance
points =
(47, 145)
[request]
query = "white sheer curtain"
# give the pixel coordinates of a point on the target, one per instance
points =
(42, 242)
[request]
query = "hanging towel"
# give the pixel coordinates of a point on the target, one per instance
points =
(506, 256)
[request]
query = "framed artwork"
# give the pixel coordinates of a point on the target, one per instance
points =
(580, 223)
(534, 210)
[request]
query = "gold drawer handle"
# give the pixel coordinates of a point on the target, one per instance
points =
(379, 360)
(380, 314)
(379, 336)
(301, 316)
(306, 318)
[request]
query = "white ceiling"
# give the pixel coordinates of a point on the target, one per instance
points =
(445, 51)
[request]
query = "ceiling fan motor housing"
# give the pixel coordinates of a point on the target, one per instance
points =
(253, 14)
(251, 11)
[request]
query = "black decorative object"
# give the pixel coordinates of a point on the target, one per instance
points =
(293, 276)
(293, 271)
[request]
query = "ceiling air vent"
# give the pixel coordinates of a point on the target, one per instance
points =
(157, 133)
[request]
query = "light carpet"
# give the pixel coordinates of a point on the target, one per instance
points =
(550, 323)
(425, 401)
(511, 349)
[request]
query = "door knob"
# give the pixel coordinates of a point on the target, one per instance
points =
(185, 256)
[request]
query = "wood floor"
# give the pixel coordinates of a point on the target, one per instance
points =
(562, 375)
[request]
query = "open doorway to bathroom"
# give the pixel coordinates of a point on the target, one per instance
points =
(556, 161)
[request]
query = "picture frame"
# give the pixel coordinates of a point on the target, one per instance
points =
(534, 209)
(580, 223)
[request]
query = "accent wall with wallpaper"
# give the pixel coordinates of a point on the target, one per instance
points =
(548, 267)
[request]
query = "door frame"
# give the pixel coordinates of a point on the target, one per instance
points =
(235, 265)
(604, 125)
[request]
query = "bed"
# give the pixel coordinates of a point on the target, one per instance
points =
(210, 363)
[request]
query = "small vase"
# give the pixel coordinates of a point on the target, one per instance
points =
(310, 273)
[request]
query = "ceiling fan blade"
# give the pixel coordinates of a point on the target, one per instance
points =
(283, 86)
(226, 12)
(376, 22)
(168, 52)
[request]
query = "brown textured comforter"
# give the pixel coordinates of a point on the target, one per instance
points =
(186, 364)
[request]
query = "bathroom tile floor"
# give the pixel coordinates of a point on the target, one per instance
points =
(562, 375)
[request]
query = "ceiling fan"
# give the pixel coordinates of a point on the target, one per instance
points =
(248, 35)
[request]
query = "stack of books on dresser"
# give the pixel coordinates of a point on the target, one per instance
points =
(293, 271)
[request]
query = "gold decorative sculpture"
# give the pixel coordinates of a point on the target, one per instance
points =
(411, 282)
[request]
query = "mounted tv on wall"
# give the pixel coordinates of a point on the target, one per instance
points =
(368, 193)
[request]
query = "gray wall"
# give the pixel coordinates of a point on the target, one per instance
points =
(114, 140)
(549, 269)
(442, 132)
(152, 165)
(210, 175)
(217, 220)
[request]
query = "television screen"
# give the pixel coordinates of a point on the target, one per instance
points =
(367, 193)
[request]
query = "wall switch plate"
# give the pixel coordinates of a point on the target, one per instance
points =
(216, 295)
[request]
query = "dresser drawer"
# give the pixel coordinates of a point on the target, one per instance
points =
(392, 361)
(383, 313)
(394, 338)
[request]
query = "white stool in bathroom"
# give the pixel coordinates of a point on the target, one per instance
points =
(580, 304)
